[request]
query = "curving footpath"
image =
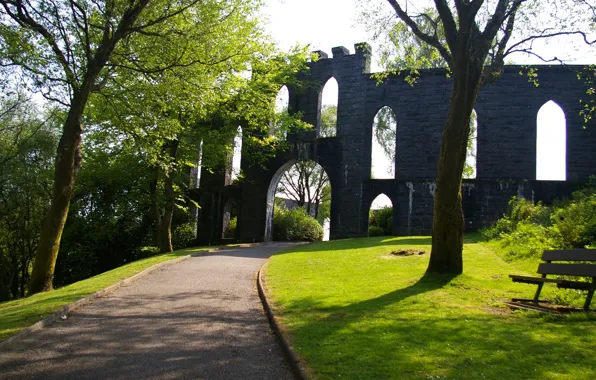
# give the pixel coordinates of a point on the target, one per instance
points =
(197, 319)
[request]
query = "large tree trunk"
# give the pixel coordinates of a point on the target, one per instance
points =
(68, 156)
(163, 223)
(448, 220)
(68, 160)
(165, 233)
(155, 206)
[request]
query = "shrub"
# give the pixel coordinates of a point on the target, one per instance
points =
(231, 232)
(183, 236)
(529, 240)
(148, 251)
(295, 225)
(382, 218)
(375, 231)
(577, 221)
(519, 210)
(501, 227)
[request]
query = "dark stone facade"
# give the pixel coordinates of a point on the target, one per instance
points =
(506, 144)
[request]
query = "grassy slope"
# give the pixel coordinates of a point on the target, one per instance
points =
(18, 314)
(355, 312)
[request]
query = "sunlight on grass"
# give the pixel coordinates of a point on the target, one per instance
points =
(355, 311)
(18, 314)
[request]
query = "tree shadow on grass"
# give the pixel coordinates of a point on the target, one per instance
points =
(408, 333)
(362, 243)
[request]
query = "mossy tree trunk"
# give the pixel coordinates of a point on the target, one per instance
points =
(448, 219)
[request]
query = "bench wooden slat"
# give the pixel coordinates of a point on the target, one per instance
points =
(565, 284)
(571, 267)
(570, 255)
(533, 280)
(586, 270)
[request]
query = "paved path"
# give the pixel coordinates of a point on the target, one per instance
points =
(198, 319)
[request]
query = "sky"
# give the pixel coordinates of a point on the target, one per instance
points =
(324, 24)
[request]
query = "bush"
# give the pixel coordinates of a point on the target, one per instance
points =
(375, 231)
(382, 218)
(231, 232)
(148, 251)
(295, 225)
(526, 230)
(577, 221)
(501, 227)
(519, 210)
(529, 240)
(183, 236)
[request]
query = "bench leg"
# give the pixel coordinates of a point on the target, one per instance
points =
(538, 292)
(588, 300)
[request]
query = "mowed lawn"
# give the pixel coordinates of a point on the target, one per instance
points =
(18, 314)
(353, 311)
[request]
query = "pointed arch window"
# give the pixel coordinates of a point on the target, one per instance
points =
(384, 134)
(551, 143)
(328, 111)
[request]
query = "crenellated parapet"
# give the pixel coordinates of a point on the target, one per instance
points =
(506, 143)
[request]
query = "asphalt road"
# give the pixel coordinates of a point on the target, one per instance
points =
(198, 319)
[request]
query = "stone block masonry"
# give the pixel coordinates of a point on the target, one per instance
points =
(506, 147)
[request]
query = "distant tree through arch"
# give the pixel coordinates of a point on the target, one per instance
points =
(384, 135)
(328, 110)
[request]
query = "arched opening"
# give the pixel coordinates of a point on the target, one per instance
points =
(380, 216)
(328, 110)
(230, 214)
(472, 149)
(298, 185)
(551, 143)
(384, 134)
(237, 154)
(279, 127)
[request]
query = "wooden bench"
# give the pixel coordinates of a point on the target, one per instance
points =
(571, 262)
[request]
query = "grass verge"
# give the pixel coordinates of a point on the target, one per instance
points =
(354, 311)
(19, 314)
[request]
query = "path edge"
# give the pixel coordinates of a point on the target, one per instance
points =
(83, 301)
(289, 353)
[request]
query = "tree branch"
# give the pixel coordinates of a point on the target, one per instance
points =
(431, 40)
(448, 24)
(22, 18)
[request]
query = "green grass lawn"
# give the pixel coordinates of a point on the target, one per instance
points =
(354, 311)
(18, 314)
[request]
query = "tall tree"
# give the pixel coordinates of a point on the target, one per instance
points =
(306, 183)
(69, 49)
(204, 102)
(474, 37)
(28, 140)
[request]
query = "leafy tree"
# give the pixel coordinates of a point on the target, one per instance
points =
(68, 49)
(328, 120)
(385, 133)
(474, 38)
(403, 50)
(162, 62)
(109, 218)
(28, 140)
(307, 184)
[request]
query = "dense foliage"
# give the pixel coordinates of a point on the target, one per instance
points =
(527, 229)
(380, 222)
(28, 140)
(295, 225)
(139, 105)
